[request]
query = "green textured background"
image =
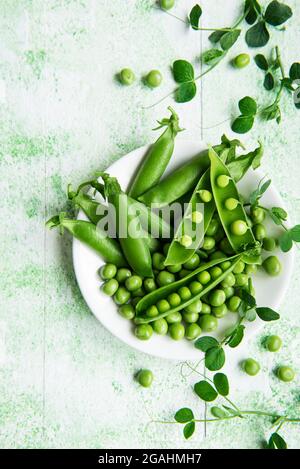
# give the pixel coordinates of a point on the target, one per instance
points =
(65, 382)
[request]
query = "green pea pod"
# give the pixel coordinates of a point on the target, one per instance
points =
(135, 248)
(178, 253)
(221, 196)
(163, 292)
(90, 235)
(88, 205)
(155, 162)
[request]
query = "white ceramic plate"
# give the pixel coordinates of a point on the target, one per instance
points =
(269, 291)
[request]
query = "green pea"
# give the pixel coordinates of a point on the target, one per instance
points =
(174, 300)
(126, 76)
(215, 272)
(217, 297)
(217, 255)
(177, 331)
(108, 271)
(158, 261)
(145, 378)
(223, 181)
(133, 283)
(143, 331)
(167, 4)
(234, 303)
(166, 248)
(192, 331)
(154, 78)
(220, 311)
(229, 280)
(250, 269)
(241, 280)
(197, 217)
(259, 231)
(208, 243)
(272, 266)
(139, 293)
(127, 311)
(257, 215)
(194, 307)
(239, 268)
(186, 241)
(229, 292)
(149, 285)
(174, 269)
(225, 265)
(208, 323)
(184, 293)
(195, 287)
(226, 247)
(212, 227)
(205, 196)
(206, 309)
(251, 367)
(239, 228)
(122, 275)
(160, 326)
(241, 61)
(285, 373)
(110, 287)
(173, 318)
(190, 317)
(273, 343)
(269, 244)
(163, 306)
(192, 263)
(204, 277)
(165, 278)
(231, 204)
(152, 311)
(183, 273)
(121, 296)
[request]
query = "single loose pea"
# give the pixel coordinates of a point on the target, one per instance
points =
(257, 215)
(194, 307)
(231, 204)
(239, 268)
(190, 317)
(160, 326)
(192, 263)
(208, 243)
(173, 318)
(186, 241)
(177, 331)
(140, 292)
(226, 247)
(241, 60)
(149, 285)
(205, 196)
(133, 283)
(127, 77)
(213, 227)
(272, 266)
(220, 311)
(192, 331)
(234, 303)
(195, 287)
(110, 287)
(121, 296)
(197, 217)
(165, 278)
(217, 297)
(285, 373)
(251, 367)
(154, 78)
(152, 311)
(167, 4)
(127, 311)
(206, 309)
(183, 273)
(229, 292)
(158, 261)
(184, 293)
(108, 271)
(223, 181)
(259, 231)
(208, 323)
(229, 280)
(215, 272)
(163, 306)
(174, 300)
(204, 277)
(217, 255)
(122, 275)
(225, 265)
(145, 378)
(143, 331)
(239, 228)
(241, 280)
(273, 343)
(174, 269)
(250, 269)
(269, 244)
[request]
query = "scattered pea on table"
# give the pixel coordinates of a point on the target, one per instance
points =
(154, 78)
(126, 76)
(285, 373)
(251, 367)
(145, 378)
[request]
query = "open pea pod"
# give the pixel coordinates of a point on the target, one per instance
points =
(163, 292)
(190, 232)
(230, 209)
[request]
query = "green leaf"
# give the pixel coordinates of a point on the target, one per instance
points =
(261, 62)
(211, 56)
(195, 16)
(230, 410)
(185, 92)
(240, 165)
(295, 71)
(254, 9)
(258, 35)
(276, 442)
(205, 343)
(269, 82)
(286, 242)
(242, 124)
(221, 383)
(188, 430)
(272, 112)
(218, 412)
(183, 71)
(216, 36)
(205, 391)
(214, 358)
(237, 337)
(247, 298)
(184, 415)
(229, 39)
(267, 314)
(295, 233)
(280, 213)
(248, 106)
(277, 13)
(288, 84)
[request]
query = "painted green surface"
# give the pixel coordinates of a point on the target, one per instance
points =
(65, 381)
